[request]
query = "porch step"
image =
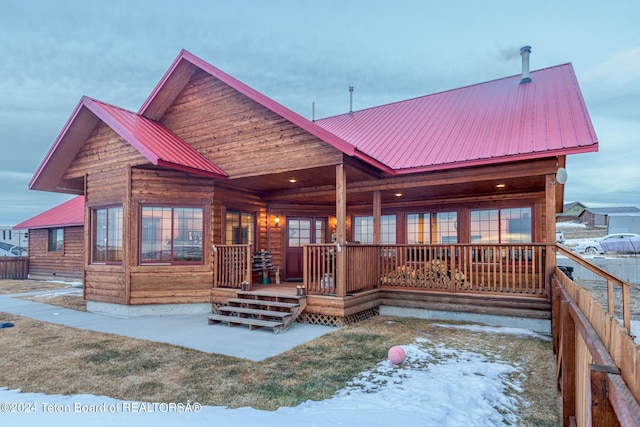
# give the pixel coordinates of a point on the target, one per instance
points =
(261, 309)
(252, 302)
(253, 312)
(252, 322)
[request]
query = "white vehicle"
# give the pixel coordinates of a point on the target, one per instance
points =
(594, 247)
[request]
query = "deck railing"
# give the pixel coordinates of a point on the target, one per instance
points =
(14, 267)
(597, 359)
(512, 269)
(502, 269)
(231, 266)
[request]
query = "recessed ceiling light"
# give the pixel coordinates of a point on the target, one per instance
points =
(501, 185)
(293, 180)
(398, 194)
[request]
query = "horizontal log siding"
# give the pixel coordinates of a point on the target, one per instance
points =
(164, 284)
(105, 283)
(103, 151)
(68, 263)
(239, 135)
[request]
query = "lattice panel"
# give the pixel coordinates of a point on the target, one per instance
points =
(325, 320)
(320, 319)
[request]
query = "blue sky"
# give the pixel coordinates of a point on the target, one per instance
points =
(298, 52)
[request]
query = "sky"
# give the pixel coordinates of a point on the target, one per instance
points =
(435, 386)
(298, 52)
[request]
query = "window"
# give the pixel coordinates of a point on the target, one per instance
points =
(240, 228)
(363, 229)
(171, 235)
(511, 225)
(106, 235)
(436, 227)
(56, 239)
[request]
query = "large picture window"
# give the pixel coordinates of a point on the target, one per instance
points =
(363, 229)
(56, 240)
(436, 227)
(240, 228)
(106, 235)
(512, 225)
(171, 235)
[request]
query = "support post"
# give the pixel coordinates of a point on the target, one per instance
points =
(341, 230)
(550, 220)
(377, 214)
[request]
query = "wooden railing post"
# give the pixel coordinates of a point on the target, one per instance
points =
(568, 365)
(602, 413)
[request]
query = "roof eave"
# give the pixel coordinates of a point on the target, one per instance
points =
(497, 160)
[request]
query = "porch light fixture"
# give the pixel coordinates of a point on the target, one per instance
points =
(277, 221)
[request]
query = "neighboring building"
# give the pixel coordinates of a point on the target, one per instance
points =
(13, 242)
(208, 164)
(571, 212)
(56, 241)
(623, 223)
(599, 217)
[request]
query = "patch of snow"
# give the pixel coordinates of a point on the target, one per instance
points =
(570, 225)
(435, 386)
(497, 330)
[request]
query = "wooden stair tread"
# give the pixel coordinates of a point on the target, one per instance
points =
(279, 304)
(271, 294)
(254, 311)
(213, 318)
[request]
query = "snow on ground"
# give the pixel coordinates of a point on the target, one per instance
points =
(570, 225)
(435, 386)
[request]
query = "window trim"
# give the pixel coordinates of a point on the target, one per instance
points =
(430, 213)
(60, 243)
(500, 209)
(241, 212)
(173, 207)
(93, 210)
(388, 215)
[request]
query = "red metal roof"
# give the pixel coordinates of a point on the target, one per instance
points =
(500, 120)
(154, 141)
(67, 214)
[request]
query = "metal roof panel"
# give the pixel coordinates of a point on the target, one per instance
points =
(499, 120)
(67, 214)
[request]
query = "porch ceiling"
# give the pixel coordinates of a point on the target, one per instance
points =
(317, 186)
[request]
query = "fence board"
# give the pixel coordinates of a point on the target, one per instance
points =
(14, 268)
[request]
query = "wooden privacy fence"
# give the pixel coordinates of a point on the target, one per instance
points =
(14, 267)
(231, 266)
(503, 269)
(597, 360)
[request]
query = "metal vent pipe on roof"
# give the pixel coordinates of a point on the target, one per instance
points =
(351, 99)
(524, 52)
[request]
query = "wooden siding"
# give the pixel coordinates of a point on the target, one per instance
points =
(239, 135)
(104, 283)
(159, 284)
(68, 263)
(104, 150)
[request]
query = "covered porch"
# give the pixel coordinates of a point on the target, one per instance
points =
(494, 279)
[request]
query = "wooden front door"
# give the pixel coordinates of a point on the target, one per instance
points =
(300, 232)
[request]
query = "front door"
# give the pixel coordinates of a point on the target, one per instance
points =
(300, 232)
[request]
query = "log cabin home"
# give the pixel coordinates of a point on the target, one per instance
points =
(56, 241)
(442, 202)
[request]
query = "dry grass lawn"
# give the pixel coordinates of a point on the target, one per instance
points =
(47, 358)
